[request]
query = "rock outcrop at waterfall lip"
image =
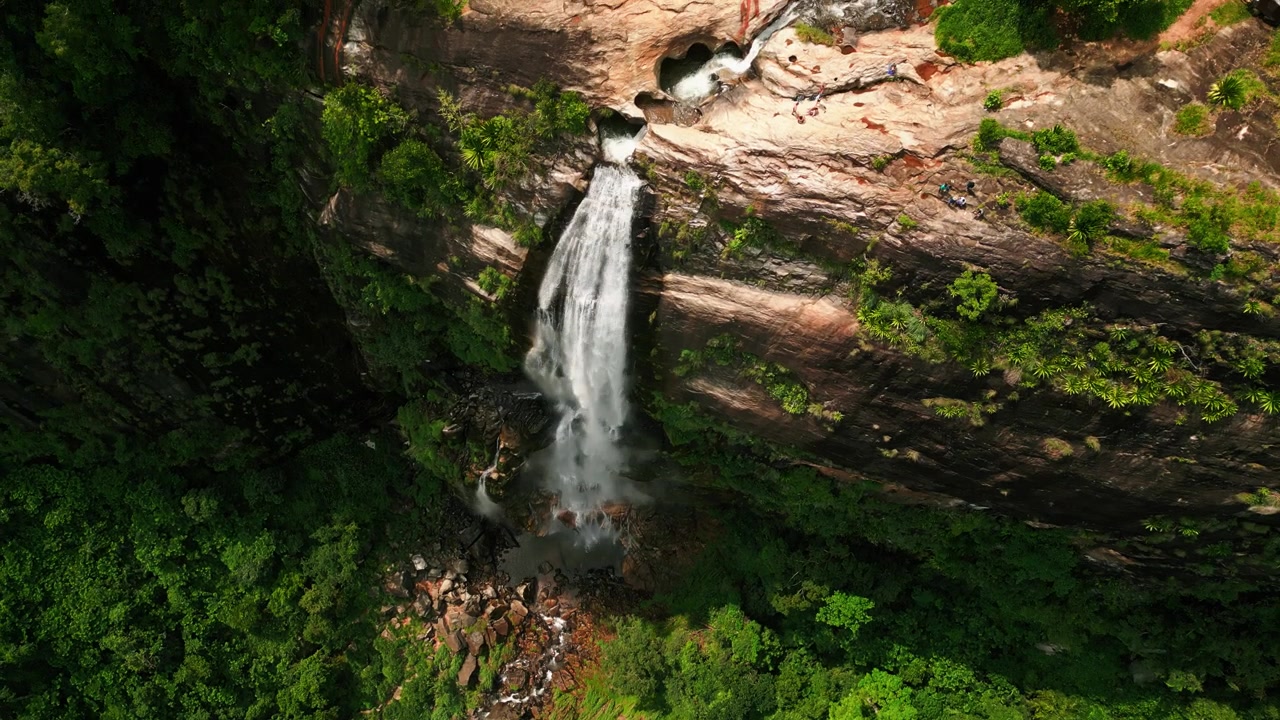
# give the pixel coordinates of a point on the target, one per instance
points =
(610, 52)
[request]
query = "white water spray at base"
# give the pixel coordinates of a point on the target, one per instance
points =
(579, 354)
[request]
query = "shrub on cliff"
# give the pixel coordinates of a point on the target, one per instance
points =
(1228, 92)
(1208, 226)
(813, 35)
(1045, 212)
(1056, 140)
(357, 120)
(413, 175)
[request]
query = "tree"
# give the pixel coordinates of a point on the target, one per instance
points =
(847, 612)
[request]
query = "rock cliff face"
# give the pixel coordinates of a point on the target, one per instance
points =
(854, 175)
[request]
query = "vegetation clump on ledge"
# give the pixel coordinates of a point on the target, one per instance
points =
(778, 381)
(1070, 350)
(813, 34)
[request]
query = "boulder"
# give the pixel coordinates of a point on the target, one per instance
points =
(468, 670)
(518, 612)
(454, 640)
(397, 584)
(475, 642)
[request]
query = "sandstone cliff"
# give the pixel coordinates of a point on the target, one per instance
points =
(857, 179)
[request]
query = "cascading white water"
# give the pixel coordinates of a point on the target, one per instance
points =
(579, 354)
(485, 504)
(703, 82)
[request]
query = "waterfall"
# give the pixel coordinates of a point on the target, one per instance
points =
(485, 504)
(579, 354)
(704, 82)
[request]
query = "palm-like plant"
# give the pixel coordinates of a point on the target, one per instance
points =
(1228, 92)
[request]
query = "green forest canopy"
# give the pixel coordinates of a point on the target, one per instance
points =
(185, 536)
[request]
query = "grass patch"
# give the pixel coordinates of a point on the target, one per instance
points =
(1193, 120)
(813, 35)
(1252, 213)
(1230, 13)
(1271, 61)
(1147, 251)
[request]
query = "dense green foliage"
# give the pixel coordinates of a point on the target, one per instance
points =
(358, 119)
(178, 543)
(820, 600)
(413, 175)
(168, 333)
(156, 269)
(975, 291)
(136, 591)
(1120, 364)
(975, 30)
(374, 144)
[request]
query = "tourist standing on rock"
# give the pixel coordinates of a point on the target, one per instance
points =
(969, 186)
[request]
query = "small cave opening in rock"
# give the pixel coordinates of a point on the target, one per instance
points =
(659, 111)
(694, 76)
(619, 136)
